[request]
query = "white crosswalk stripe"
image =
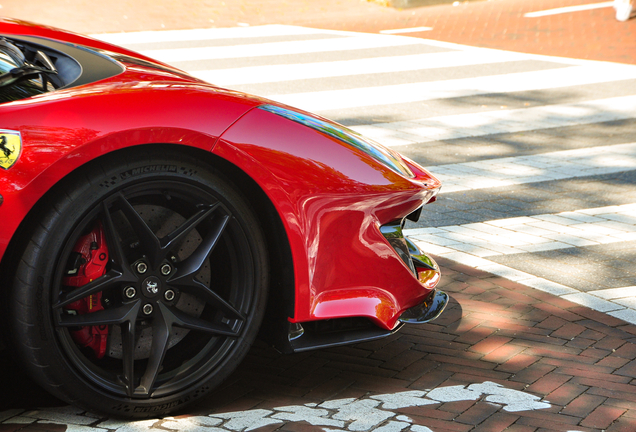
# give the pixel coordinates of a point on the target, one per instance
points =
(536, 168)
(278, 73)
(533, 233)
(347, 73)
(130, 39)
(402, 133)
(417, 92)
(276, 48)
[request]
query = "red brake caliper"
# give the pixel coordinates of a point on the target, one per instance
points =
(91, 258)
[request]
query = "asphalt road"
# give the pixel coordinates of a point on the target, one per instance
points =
(535, 230)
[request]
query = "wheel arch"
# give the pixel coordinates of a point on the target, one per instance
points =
(282, 286)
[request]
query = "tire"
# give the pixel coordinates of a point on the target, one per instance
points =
(142, 287)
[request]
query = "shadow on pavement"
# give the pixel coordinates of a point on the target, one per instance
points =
(19, 390)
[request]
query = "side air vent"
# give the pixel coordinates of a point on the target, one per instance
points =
(393, 234)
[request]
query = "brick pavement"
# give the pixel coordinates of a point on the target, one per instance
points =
(592, 34)
(581, 361)
(580, 365)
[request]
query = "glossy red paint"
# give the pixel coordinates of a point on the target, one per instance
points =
(200, 283)
(66, 129)
(331, 198)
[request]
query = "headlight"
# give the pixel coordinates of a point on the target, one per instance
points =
(382, 154)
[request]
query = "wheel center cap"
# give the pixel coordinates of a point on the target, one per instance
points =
(151, 286)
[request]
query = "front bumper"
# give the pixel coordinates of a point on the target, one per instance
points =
(306, 336)
(426, 311)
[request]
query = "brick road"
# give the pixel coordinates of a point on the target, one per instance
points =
(592, 34)
(581, 362)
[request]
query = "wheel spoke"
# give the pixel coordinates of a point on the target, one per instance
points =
(181, 232)
(191, 266)
(128, 330)
(147, 238)
(198, 289)
(111, 278)
(117, 256)
(183, 320)
(161, 331)
(124, 313)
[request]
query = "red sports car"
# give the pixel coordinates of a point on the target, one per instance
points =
(152, 224)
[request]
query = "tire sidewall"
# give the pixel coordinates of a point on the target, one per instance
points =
(37, 340)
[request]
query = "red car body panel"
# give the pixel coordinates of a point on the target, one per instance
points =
(64, 130)
(331, 198)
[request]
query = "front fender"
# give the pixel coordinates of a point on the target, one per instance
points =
(332, 199)
(64, 130)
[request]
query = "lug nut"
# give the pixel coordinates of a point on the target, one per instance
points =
(166, 269)
(169, 295)
(130, 292)
(142, 267)
(147, 309)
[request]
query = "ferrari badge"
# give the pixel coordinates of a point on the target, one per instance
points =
(10, 148)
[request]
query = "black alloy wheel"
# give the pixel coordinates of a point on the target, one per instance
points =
(146, 287)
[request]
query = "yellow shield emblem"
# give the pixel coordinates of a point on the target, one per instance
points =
(10, 148)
